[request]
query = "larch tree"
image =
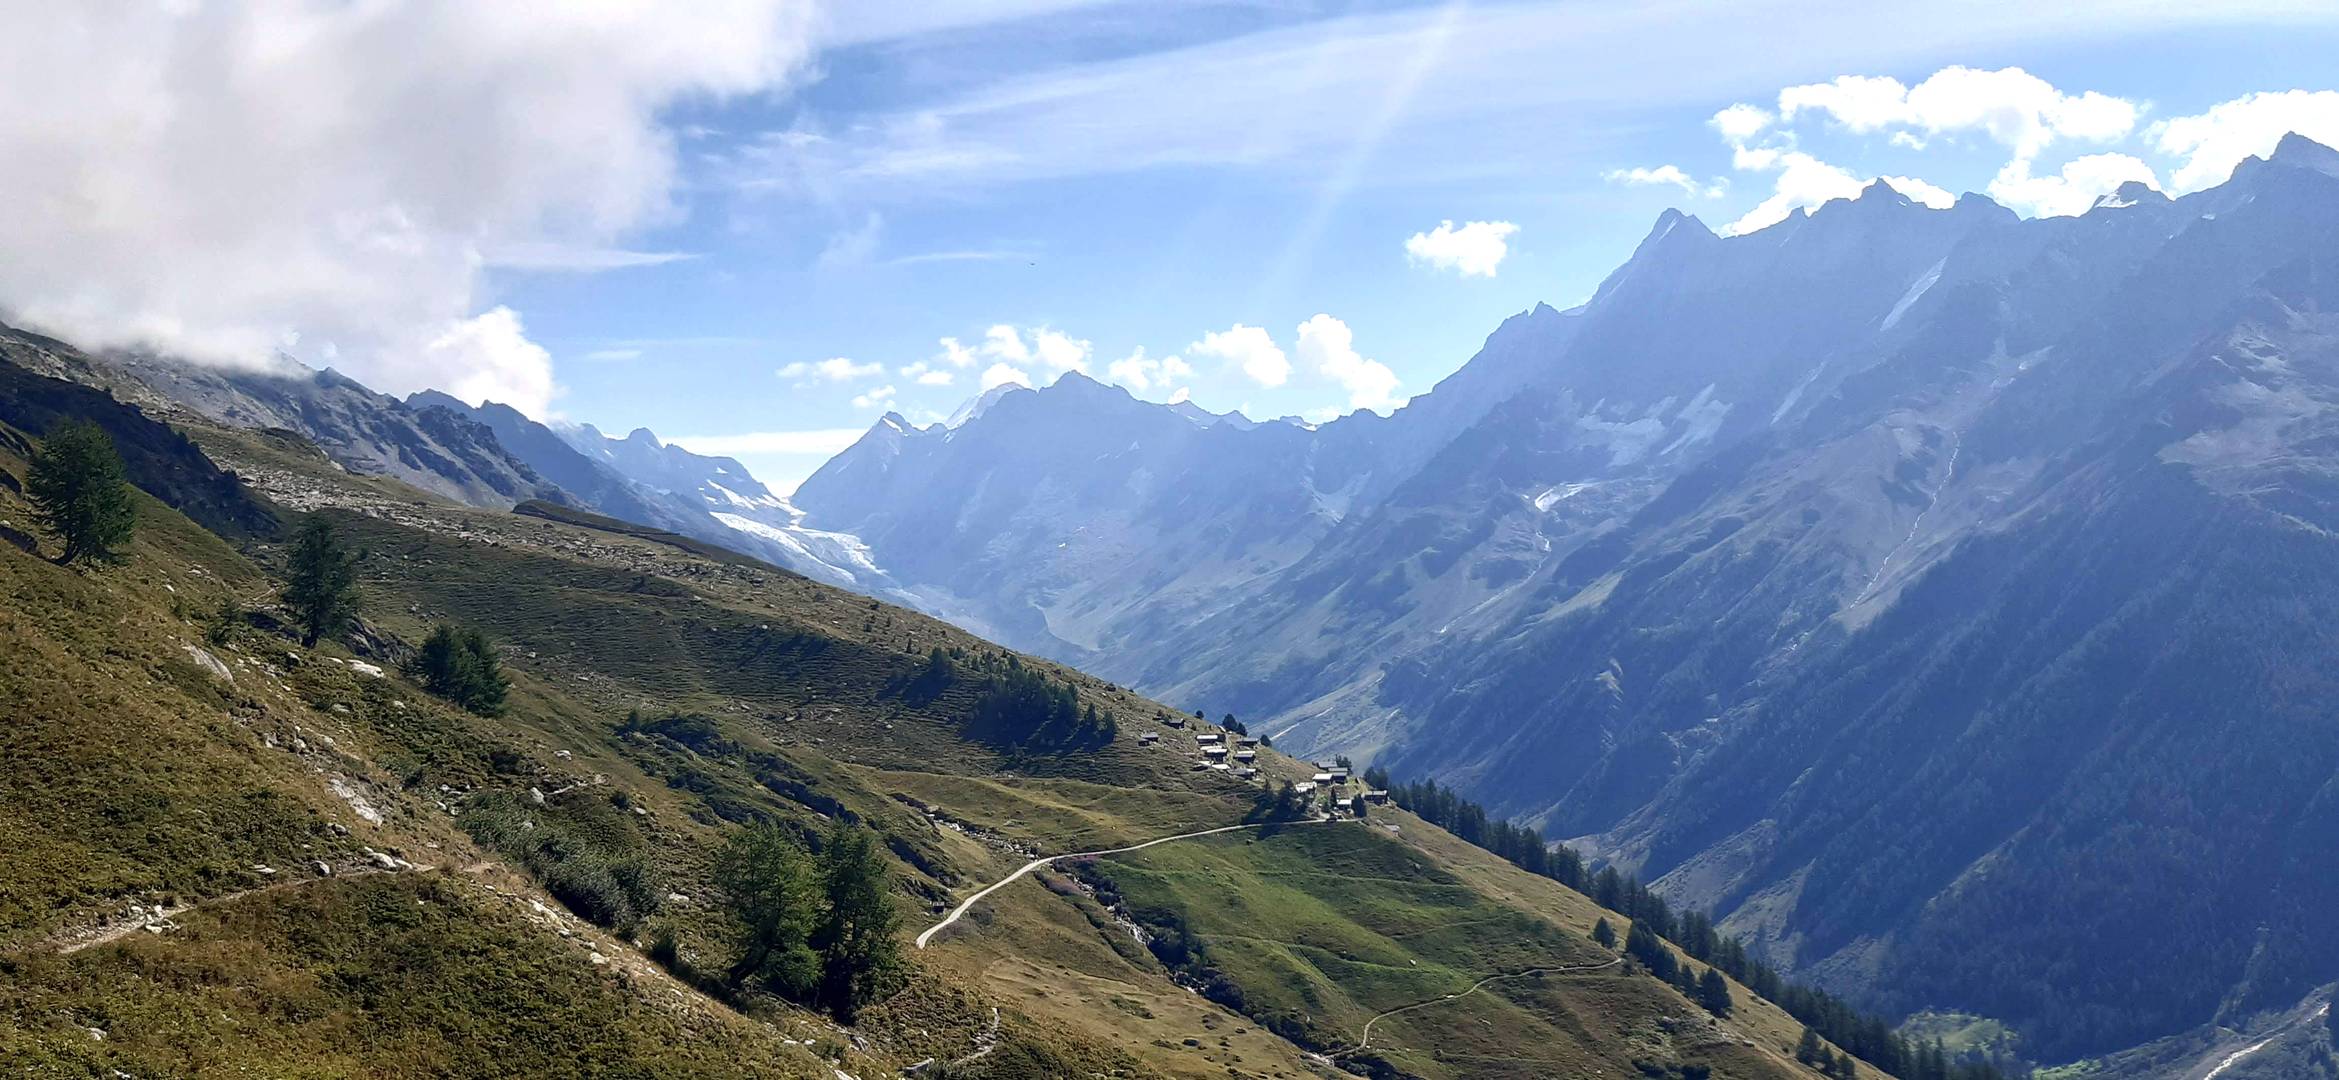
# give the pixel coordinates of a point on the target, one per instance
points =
(79, 492)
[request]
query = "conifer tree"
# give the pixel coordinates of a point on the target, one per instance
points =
(321, 587)
(1714, 993)
(860, 960)
(1604, 933)
(1807, 1050)
(461, 666)
(1646, 947)
(78, 490)
(774, 901)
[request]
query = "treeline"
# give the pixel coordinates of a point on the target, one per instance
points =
(1521, 846)
(1022, 708)
(1867, 1036)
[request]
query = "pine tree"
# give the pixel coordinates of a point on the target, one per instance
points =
(774, 902)
(1604, 933)
(321, 588)
(1646, 947)
(79, 492)
(1807, 1050)
(1845, 1069)
(1713, 993)
(460, 666)
(860, 960)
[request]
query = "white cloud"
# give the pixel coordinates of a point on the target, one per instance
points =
(833, 369)
(225, 180)
(1248, 348)
(1474, 250)
(1804, 182)
(1858, 102)
(873, 398)
(489, 358)
(1141, 373)
(824, 442)
(1002, 373)
(2012, 106)
(955, 354)
(925, 374)
(2072, 190)
(1057, 351)
(1667, 174)
(1423, 92)
(1327, 345)
(1921, 192)
(1037, 348)
(1002, 342)
(2214, 141)
(613, 356)
(1740, 123)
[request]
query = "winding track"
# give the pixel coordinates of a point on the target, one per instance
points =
(1475, 987)
(70, 942)
(1037, 863)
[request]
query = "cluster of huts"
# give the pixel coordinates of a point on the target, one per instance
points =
(1238, 755)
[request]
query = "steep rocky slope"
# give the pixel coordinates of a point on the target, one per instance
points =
(365, 432)
(1940, 594)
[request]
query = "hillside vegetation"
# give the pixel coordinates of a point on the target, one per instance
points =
(232, 853)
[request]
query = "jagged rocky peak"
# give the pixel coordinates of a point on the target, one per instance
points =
(981, 403)
(2305, 153)
(1676, 227)
(2132, 193)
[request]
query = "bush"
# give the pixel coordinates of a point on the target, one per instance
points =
(589, 855)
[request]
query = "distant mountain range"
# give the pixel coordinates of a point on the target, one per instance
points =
(640, 479)
(1946, 597)
(484, 455)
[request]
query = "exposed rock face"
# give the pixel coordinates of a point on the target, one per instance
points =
(158, 459)
(361, 430)
(1944, 597)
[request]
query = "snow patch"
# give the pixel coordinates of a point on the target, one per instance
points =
(1794, 396)
(1556, 494)
(1701, 418)
(1917, 290)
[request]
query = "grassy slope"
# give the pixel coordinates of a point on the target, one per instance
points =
(1766, 1025)
(390, 975)
(805, 690)
(135, 776)
(1327, 927)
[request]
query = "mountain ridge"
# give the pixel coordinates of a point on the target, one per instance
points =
(1748, 472)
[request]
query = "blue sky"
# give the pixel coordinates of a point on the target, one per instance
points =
(753, 224)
